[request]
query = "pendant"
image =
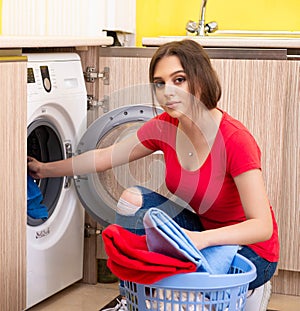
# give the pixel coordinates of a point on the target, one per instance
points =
(190, 154)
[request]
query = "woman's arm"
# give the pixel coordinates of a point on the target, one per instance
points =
(258, 226)
(97, 160)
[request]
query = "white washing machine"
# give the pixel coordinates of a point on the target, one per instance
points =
(57, 111)
(56, 120)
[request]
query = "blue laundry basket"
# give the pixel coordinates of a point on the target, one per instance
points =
(196, 291)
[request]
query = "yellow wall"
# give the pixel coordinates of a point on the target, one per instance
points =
(169, 17)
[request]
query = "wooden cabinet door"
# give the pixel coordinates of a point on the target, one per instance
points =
(265, 96)
(254, 92)
(289, 217)
(129, 83)
(13, 82)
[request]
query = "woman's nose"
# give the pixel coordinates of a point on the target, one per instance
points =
(169, 89)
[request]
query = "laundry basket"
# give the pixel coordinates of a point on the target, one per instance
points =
(196, 291)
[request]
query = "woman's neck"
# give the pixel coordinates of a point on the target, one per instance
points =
(206, 123)
(195, 138)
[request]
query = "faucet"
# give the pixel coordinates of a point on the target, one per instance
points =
(200, 28)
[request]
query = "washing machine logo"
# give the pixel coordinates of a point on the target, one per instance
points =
(42, 233)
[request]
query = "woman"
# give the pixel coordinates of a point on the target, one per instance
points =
(212, 163)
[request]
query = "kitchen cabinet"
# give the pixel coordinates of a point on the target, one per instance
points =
(13, 79)
(253, 92)
(288, 279)
(13, 137)
(289, 217)
(264, 94)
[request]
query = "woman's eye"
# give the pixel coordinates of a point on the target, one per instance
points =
(159, 84)
(180, 80)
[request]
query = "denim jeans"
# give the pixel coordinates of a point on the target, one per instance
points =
(264, 268)
(190, 221)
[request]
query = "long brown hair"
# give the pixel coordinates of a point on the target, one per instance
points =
(201, 77)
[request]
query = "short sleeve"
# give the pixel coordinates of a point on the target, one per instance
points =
(158, 133)
(149, 134)
(243, 153)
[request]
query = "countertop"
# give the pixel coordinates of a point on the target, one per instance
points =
(208, 41)
(16, 42)
(231, 41)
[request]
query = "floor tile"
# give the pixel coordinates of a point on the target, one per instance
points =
(80, 297)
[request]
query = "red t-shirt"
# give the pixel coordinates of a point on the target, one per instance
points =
(211, 190)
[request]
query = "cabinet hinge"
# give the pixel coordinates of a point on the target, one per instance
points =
(89, 230)
(93, 103)
(91, 75)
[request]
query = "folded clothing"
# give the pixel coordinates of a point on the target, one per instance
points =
(165, 236)
(35, 209)
(130, 259)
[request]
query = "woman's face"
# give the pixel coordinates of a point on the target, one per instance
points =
(171, 86)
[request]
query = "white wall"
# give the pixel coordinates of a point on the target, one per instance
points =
(67, 17)
(120, 15)
(23, 17)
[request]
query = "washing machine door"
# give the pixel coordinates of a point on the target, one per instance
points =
(99, 192)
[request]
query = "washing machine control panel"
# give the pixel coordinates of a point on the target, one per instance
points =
(46, 78)
(40, 75)
(54, 75)
(30, 75)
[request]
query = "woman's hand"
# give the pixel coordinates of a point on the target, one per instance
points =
(198, 238)
(35, 168)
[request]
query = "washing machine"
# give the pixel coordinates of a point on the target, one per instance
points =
(56, 120)
(56, 126)
(99, 192)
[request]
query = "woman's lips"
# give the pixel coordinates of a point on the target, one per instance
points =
(172, 104)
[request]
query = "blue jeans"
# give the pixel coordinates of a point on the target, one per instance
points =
(190, 221)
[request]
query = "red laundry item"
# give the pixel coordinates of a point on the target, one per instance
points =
(129, 258)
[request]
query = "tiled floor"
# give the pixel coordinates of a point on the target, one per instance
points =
(80, 297)
(84, 297)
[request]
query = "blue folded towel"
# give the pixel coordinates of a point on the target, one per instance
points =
(34, 198)
(164, 235)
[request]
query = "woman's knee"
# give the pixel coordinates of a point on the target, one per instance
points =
(130, 201)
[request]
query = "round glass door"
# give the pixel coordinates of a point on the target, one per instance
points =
(99, 192)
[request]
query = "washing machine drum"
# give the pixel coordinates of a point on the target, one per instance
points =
(99, 192)
(45, 144)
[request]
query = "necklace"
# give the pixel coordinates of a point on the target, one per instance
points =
(190, 154)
